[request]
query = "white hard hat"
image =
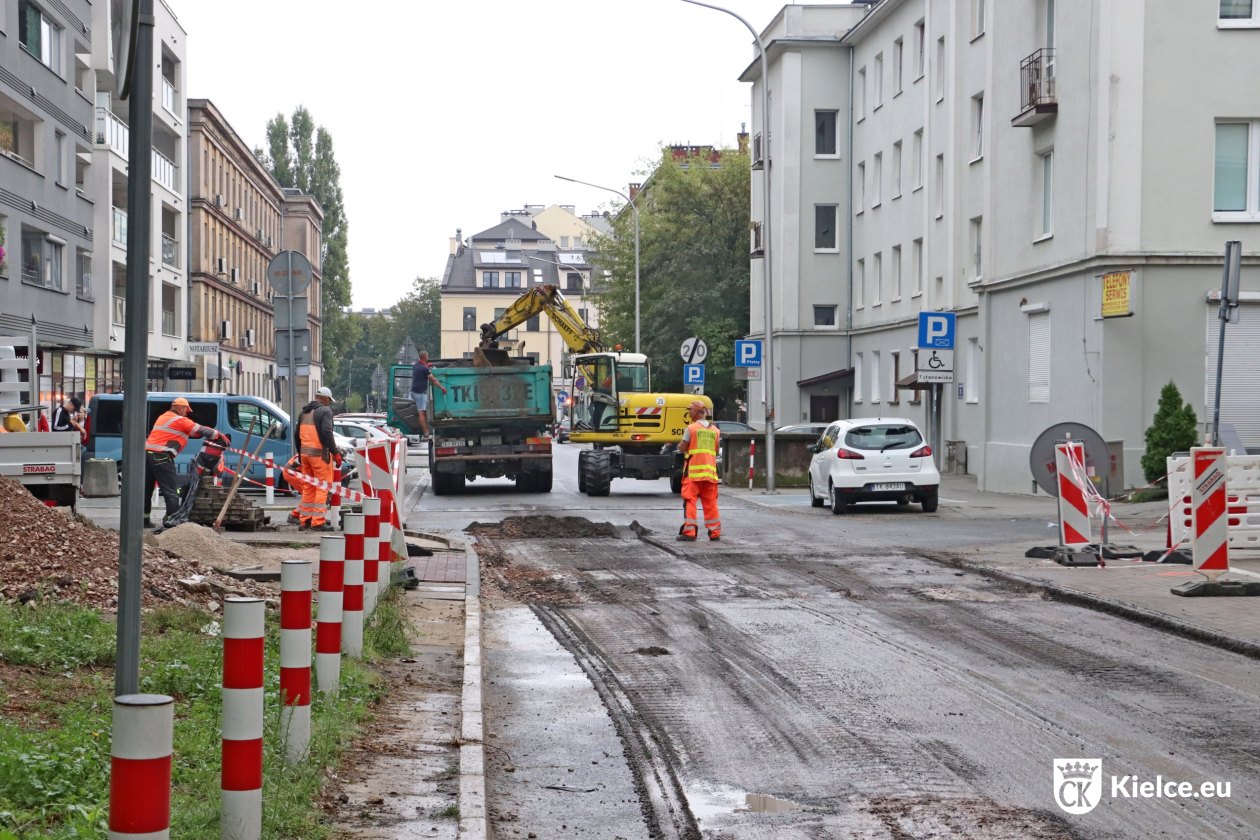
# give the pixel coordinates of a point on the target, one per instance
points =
(324, 392)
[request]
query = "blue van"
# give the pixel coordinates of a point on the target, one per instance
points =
(228, 413)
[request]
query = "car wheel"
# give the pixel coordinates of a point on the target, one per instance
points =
(838, 505)
(814, 499)
(929, 502)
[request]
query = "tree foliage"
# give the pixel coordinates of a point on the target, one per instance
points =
(1174, 429)
(693, 222)
(301, 156)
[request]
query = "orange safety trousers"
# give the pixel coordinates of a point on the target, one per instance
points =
(314, 506)
(707, 493)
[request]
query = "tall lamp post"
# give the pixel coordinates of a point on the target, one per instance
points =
(629, 201)
(768, 351)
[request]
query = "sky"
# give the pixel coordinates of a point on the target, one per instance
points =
(445, 114)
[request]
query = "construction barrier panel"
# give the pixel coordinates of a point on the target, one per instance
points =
(140, 767)
(1242, 488)
(332, 562)
(385, 549)
(295, 658)
(1210, 540)
(1074, 521)
(352, 601)
(240, 808)
(371, 551)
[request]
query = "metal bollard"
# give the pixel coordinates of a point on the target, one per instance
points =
(140, 767)
(332, 557)
(271, 479)
(295, 658)
(352, 605)
(371, 541)
(240, 808)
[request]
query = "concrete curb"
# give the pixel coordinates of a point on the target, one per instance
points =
(472, 754)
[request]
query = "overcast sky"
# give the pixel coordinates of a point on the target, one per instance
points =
(444, 114)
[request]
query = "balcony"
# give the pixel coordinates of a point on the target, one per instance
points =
(169, 99)
(1036, 84)
(170, 251)
(164, 171)
(118, 226)
(111, 131)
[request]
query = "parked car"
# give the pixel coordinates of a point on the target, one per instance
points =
(561, 429)
(732, 426)
(378, 421)
(360, 434)
(810, 428)
(872, 460)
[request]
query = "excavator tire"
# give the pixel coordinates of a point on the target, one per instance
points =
(675, 484)
(582, 455)
(598, 473)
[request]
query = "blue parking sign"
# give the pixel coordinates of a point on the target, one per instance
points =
(748, 354)
(936, 329)
(693, 374)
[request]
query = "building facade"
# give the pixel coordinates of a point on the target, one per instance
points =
(1006, 161)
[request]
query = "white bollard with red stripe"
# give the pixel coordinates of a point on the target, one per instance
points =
(271, 479)
(752, 458)
(295, 658)
(352, 602)
(1210, 536)
(372, 529)
(334, 507)
(385, 551)
(240, 808)
(332, 562)
(140, 767)
(1074, 523)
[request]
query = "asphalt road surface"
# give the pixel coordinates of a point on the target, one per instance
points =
(813, 676)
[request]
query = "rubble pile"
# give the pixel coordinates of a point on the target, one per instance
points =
(47, 555)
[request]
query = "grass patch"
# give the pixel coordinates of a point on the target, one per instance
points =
(386, 636)
(54, 755)
(1150, 494)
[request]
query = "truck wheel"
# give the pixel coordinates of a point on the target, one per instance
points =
(675, 484)
(582, 470)
(598, 473)
(542, 481)
(524, 482)
(445, 484)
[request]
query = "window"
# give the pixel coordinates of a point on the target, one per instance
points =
(577, 242)
(1047, 194)
(40, 35)
(920, 49)
(894, 395)
(977, 239)
(170, 310)
(977, 18)
(896, 272)
(971, 385)
(1236, 188)
(977, 125)
(915, 395)
(861, 197)
(17, 136)
(533, 325)
(119, 310)
(896, 173)
(879, 80)
(59, 149)
(940, 68)
(564, 242)
(898, 50)
(83, 274)
(241, 414)
(1239, 13)
(877, 279)
(825, 317)
(825, 230)
(861, 95)
(877, 178)
(470, 319)
(860, 285)
(825, 133)
(489, 279)
(41, 259)
(582, 315)
(940, 186)
(875, 383)
(1039, 357)
(512, 279)
(917, 255)
(857, 377)
(573, 281)
(918, 159)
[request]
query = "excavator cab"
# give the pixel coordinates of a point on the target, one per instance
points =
(610, 378)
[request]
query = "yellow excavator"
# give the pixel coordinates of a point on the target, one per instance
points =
(633, 432)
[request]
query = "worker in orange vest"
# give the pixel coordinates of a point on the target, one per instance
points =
(700, 478)
(317, 454)
(171, 433)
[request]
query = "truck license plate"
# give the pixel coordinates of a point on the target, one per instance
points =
(492, 440)
(888, 488)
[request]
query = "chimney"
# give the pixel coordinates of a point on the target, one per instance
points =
(742, 139)
(634, 190)
(456, 240)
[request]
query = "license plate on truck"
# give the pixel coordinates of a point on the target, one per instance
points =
(888, 488)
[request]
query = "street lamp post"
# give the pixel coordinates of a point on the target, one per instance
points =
(629, 201)
(768, 352)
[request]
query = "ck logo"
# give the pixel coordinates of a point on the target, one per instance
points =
(1077, 784)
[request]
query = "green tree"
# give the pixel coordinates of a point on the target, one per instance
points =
(1174, 429)
(693, 222)
(301, 156)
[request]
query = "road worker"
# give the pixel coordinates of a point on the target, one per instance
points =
(170, 434)
(317, 454)
(700, 478)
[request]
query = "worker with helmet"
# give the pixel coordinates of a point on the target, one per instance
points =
(171, 432)
(317, 454)
(700, 478)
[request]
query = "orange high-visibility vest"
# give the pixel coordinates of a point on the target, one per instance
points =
(171, 432)
(308, 436)
(702, 452)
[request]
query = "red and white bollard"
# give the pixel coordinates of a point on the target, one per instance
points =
(352, 604)
(752, 458)
(240, 808)
(271, 479)
(295, 658)
(1209, 539)
(1074, 523)
(372, 530)
(140, 767)
(385, 552)
(334, 507)
(332, 562)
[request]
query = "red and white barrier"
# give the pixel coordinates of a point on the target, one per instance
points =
(140, 767)
(240, 808)
(332, 562)
(295, 658)
(371, 552)
(752, 459)
(1074, 523)
(377, 474)
(1211, 519)
(271, 479)
(352, 601)
(334, 507)
(1242, 488)
(385, 550)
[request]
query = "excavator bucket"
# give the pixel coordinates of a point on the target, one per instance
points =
(491, 357)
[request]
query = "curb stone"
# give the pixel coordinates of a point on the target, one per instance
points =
(472, 756)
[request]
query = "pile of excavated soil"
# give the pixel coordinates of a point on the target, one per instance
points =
(197, 542)
(46, 555)
(543, 526)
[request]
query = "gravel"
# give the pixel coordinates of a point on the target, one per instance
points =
(203, 544)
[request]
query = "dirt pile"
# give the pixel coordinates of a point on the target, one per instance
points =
(542, 527)
(197, 542)
(45, 554)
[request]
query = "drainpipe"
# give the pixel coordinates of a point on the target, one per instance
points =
(848, 315)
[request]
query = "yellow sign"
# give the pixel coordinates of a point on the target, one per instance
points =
(1115, 295)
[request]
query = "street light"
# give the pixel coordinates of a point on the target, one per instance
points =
(629, 201)
(768, 351)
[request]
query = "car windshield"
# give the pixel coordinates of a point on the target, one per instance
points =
(883, 438)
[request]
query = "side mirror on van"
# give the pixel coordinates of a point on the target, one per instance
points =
(283, 434)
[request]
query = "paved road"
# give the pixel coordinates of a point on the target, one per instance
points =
(818, 676)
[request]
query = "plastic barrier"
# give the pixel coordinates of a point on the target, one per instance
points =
(1074, 520)
(1242, 488)
(371, 552)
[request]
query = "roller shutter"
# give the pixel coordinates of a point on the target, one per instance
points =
(1240, 379)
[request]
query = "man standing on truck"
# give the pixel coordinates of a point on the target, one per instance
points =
(700, 478)
(421, 376)
(316, 454)
(171, 432)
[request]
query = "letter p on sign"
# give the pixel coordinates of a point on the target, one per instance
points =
(936, 329)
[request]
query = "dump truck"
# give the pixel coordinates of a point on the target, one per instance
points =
(491, 422)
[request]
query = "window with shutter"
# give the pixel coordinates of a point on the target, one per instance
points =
(1240, 378)
(1039, 357)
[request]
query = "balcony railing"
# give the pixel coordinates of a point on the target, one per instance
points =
(119, 226)
(120, 311)
(111, 131)
(170, 251)
(168, 96)
(164, 170)
(1036, 84)
(168, 323)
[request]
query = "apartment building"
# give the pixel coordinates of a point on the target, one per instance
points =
(241, 218)
(1007, 161)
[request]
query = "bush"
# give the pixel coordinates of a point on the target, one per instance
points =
(1174, 429)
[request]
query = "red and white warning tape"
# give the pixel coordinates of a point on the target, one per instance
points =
(346, 493)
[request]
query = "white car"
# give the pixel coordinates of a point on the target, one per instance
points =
(872, 460)
(360, 433)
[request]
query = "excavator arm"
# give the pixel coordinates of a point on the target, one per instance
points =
(580, 337)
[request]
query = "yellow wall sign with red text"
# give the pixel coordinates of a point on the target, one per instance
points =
(1115, 295)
